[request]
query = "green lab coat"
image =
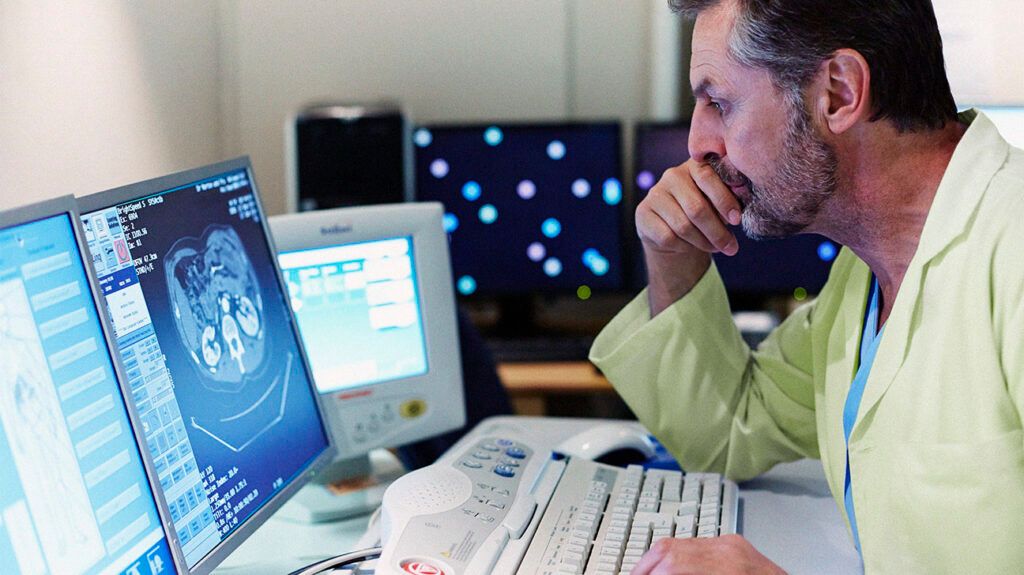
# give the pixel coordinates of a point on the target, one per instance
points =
(937, 451)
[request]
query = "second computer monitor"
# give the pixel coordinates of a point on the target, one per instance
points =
(372, 295)
(797, 265)
(215, 365)
(529, 207)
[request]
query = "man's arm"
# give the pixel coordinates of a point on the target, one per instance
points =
(692, 381)
(677, 359)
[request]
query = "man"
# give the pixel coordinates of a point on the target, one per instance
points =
(906, 375)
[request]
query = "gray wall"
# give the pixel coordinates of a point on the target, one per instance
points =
(98, 93)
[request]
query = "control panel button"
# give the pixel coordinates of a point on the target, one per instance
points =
(509, 462)
(490, 447)
(515, 452)
(482, 455)
(505, 442)
(472, 464)
(505, 471)
(412, 409)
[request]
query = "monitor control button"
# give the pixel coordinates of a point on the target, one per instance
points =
(515, 452)
(505, 471)
(472, 464)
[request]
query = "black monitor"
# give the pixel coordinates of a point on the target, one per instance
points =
(75, 496)
(529, 208)
(794, 266)
(213, 359)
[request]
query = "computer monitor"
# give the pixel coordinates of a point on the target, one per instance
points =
(74, 493)
(530, 208)
(372, 296)
(797, 265)
(215, 364)
(1009, 120)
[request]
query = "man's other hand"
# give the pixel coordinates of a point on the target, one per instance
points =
(728, 554)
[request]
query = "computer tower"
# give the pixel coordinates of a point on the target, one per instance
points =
(342, 155)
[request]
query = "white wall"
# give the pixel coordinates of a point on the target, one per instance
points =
(443, 60)
(99, 93)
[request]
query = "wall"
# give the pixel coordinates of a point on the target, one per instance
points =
(95, 94)
(450, 60)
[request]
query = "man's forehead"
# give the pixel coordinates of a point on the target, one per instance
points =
(710, 48)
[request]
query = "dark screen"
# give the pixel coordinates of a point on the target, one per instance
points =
(528, 208)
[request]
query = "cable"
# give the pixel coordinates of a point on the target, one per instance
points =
(339, 561)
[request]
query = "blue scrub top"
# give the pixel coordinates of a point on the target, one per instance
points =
(868, 347)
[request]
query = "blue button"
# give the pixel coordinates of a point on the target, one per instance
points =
(505, 471)
(515, 452)
(505, 442)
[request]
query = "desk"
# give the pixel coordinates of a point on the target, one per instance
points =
(530, 385)
(788, 514)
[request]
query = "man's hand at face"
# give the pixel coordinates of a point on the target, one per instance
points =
(729, 554)
(683, 220)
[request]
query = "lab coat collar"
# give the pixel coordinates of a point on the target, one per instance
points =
(979, 154)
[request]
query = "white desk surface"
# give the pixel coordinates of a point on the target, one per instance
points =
(788, 514)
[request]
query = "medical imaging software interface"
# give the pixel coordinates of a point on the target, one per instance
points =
(213, 364)
(528, 207)
(358, 309)
(761, 267)
(74, 497)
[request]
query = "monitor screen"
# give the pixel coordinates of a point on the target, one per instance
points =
(358, 309)
(371, 290)
(528, 207)
(797, 265)
(207, 339)
(74, 496)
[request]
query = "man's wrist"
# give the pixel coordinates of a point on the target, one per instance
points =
(672, 275)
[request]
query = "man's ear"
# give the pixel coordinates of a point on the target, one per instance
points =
(843, 90)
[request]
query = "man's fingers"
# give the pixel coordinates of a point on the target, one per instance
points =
(722, 198)
(699, 209)
(664, 223)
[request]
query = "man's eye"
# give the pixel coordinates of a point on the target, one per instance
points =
(717, 106)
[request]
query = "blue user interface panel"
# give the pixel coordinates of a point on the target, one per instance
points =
(769, 267)
(358, 309)
(74, 497)
(528, 207)
(214, 367)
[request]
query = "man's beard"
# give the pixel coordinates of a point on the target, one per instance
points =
(789, 199)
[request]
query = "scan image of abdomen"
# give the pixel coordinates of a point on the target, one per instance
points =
(217, 307)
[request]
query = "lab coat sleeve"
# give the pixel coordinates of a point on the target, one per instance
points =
(695, 384)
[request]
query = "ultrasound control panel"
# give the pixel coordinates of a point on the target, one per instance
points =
(427, 512)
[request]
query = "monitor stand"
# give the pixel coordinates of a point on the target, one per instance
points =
(346, 488)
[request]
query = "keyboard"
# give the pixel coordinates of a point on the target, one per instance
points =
(569, 348)
(601, 521)
(501, 507)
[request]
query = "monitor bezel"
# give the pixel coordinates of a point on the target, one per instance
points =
(485, 293)
(423, 223)
(132, 192)
(69, 207)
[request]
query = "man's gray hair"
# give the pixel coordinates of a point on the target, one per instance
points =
(899, 39)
